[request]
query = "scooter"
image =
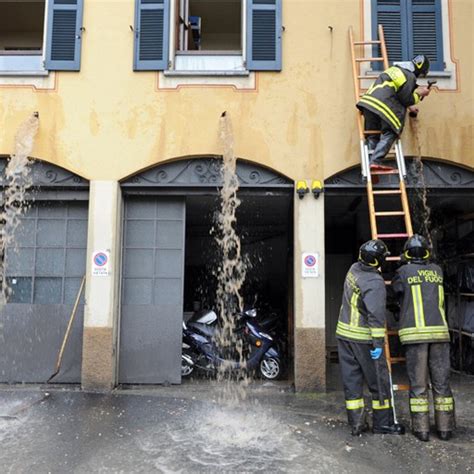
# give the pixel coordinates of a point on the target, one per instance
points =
(201, 352)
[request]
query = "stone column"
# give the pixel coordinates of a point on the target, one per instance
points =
(309, 296)
(99, 351)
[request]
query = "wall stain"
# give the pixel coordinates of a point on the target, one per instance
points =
(94, 124)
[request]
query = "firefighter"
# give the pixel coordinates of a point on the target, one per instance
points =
(424, 333)
(360, 333)
(385, 103)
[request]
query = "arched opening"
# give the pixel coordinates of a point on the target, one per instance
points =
(169, 242)
(44, 263)
(447, 215)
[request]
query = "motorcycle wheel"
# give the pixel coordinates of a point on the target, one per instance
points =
(187, 365)
(270, 368)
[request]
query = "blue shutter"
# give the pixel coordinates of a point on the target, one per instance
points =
(391, 14)
(264, 31)
(152, 19)
(427, 35)
(63, 37)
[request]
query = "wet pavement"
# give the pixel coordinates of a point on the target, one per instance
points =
(181, 429)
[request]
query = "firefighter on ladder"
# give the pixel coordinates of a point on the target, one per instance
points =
(360, 333)
(424, 333)
(385, 103)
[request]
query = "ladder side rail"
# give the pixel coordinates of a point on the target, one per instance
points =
(373, 220)
(383, 47)
(403, 175)
(406, 208)
(364, 152)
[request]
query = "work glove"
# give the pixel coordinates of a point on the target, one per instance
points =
(376, 353)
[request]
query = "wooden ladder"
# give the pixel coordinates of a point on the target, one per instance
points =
(367, 173)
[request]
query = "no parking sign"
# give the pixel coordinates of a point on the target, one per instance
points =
(310, 265)
(100, 263)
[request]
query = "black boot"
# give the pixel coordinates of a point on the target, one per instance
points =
(422, 435)
(357, 430)
(395, 429)
(445, 435)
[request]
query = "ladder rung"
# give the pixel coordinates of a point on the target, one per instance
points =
(393, 259)
(400, 387)
(367, 42)
(367, 77)
(389, 213)
(384, 172)
(372, 132)
(395, 360)
(392, 332)
(392, 236)
(387, 191)
(361, 60)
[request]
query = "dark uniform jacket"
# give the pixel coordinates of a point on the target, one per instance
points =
(421, 293)
(362, 314)
(390, 95)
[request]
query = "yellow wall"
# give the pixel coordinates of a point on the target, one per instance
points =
(107, 122)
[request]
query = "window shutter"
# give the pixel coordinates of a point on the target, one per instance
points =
(427, 35)
(151, 35)
(63, 37)
(389, 14)
(264, 30)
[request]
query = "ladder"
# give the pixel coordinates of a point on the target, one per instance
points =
(368, 174)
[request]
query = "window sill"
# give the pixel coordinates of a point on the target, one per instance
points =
(22, 65)
(208, 65)
(433, 74)
(184, 73)
(24, 73)
(440, 74)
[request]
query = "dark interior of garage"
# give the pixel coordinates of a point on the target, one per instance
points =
(449, 218)
(264, 224)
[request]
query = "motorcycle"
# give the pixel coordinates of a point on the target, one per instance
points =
(201, 352)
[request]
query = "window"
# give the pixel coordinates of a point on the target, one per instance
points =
(30, 45)
(49, 260)
(21, 35)
(210, 25)
(411, 27)
(208, 35)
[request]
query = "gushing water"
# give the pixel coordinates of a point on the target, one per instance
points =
(420, 190)
(17, 182)
(231, 271)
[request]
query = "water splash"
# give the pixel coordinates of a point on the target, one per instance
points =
(422, 210)
(231, 271)
(17, 181)
(224, 439)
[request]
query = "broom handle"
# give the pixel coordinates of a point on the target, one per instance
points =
(69, 326)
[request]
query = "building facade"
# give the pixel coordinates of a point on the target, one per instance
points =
(129, 95)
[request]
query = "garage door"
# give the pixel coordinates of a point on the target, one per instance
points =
(152, 290)
(44, 271)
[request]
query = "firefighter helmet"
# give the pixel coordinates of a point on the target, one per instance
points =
(373, 253)
(422, 65)
(416, 248)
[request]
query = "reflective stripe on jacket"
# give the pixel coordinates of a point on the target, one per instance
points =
(362, 313)
(421, 293)
(392, 92)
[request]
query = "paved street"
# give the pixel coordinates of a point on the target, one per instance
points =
(187, 429)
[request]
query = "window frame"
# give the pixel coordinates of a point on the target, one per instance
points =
(229, 62)
(25, 62)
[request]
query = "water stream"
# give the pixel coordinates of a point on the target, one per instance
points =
(17, 182)
(231, 272)
(421, 210)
